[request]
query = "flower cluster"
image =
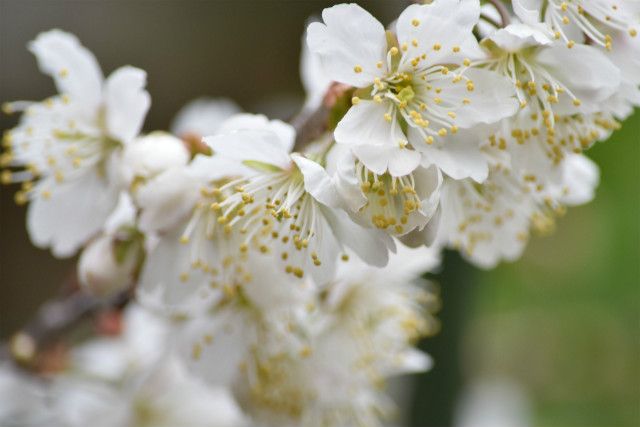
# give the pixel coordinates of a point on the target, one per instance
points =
(276, 270)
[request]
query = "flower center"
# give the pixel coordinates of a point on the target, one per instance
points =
(390, 200)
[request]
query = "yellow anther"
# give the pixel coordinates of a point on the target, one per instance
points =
(570, 44)
(456, 49)
(377, 99)
(357, 69)
(442, 132)
(415, 22)
(355, 100)
(196, 351)
(6, 177)
(63, 73)
(437, 46)
(393, 51)
(379, 64)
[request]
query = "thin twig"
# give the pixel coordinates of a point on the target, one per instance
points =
(491, 21)
(310, 125)
(53, 320)
(505, 16)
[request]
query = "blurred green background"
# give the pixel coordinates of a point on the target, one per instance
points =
(561, 324)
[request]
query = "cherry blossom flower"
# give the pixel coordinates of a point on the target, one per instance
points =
(411, 92)
(69, 146)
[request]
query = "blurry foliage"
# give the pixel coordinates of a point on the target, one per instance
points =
(563, 321)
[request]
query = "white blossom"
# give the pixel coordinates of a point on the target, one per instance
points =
(108, 262)
(492, 222)
(413, 91)
(365, 323)
(396, 204)
(70, 145)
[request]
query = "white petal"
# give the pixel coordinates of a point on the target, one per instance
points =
(166, 199)
(414, 360)
(219, 361)
(528, 11)
(250, 145)
(317, 182)
(585, 70)
(370, 245)
(459, 155)
(73, 68)
(152, 154)
(349, 38)
(123, 215)
(314, 79)
(245, 121)
(491, 100)
(203, 116)
(126, 102)
(168, 282)
(382, 158)
(581, 178)
(347, 182)
(75, 211)
(364, 124)
(448, 23)
(515, 37)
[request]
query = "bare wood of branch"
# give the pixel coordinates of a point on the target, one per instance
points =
(505, 16)
(310, 125)
(53, 320)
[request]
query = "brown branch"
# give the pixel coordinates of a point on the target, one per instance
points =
(505, 16)
(53, 320)
(309, 126)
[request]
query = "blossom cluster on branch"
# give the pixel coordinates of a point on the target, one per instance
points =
(276, 267)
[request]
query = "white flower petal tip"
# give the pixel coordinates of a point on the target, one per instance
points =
(126, 102)
(516, 37)
(350, 43)
(74, 68)
(203, 116)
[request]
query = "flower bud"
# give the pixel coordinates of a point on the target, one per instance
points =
(106, 265)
